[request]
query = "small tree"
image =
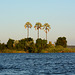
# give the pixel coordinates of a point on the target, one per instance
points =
(10, 44)
(26, 44)
(2, 46)
(41, 44)
(61, 41)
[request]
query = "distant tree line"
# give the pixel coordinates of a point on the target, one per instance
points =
(28, 45)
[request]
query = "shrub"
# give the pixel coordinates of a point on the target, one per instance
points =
(61, 41)
(41, 44)
(10, 44)
(2, 46)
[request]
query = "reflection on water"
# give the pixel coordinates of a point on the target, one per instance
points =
(37, 64)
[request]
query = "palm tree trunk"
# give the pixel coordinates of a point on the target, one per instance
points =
(46, 35)
(27, 32)
(38, 33)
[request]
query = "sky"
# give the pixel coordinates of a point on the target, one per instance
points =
(60, 14)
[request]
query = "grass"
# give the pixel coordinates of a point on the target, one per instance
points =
(12, 51)
(53, 49)
(58, 50)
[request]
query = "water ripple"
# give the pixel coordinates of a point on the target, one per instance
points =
(37, 64)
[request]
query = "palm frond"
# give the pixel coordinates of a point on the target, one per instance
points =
(38, 25)
(46, 26)
(34, 26)
(25, 26)
(28, 25)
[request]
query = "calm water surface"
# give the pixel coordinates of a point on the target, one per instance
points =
(37, 64)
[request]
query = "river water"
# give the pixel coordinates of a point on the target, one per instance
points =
(37, 63)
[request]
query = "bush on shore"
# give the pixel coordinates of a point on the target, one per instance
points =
(58, 49)
(27, 45)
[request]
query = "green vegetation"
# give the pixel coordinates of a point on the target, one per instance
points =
(27, 45)
(58, 49)
(40, 44)
(10, 44)
(2, 46)
(61, 41)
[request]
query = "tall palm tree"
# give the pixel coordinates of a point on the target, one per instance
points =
(28, 25)
(46, 28)
(38, 26)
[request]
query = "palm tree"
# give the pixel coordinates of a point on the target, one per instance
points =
(38, 26)
(28, 25)
(46, 28)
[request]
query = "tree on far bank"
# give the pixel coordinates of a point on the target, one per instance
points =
(38, 26)
(10, 44)
(41, 44)
(46, 28)
(61, 41)
(28, 25)
(26, 44)
(2, 46)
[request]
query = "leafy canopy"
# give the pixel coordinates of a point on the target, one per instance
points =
(38, 25)
(46, 27)
(28, 25)
(61, 41)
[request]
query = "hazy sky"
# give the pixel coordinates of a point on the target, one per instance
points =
(60, 14)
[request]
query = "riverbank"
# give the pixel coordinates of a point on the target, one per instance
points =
(12, 51)
(47, 50)
(58, 50)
